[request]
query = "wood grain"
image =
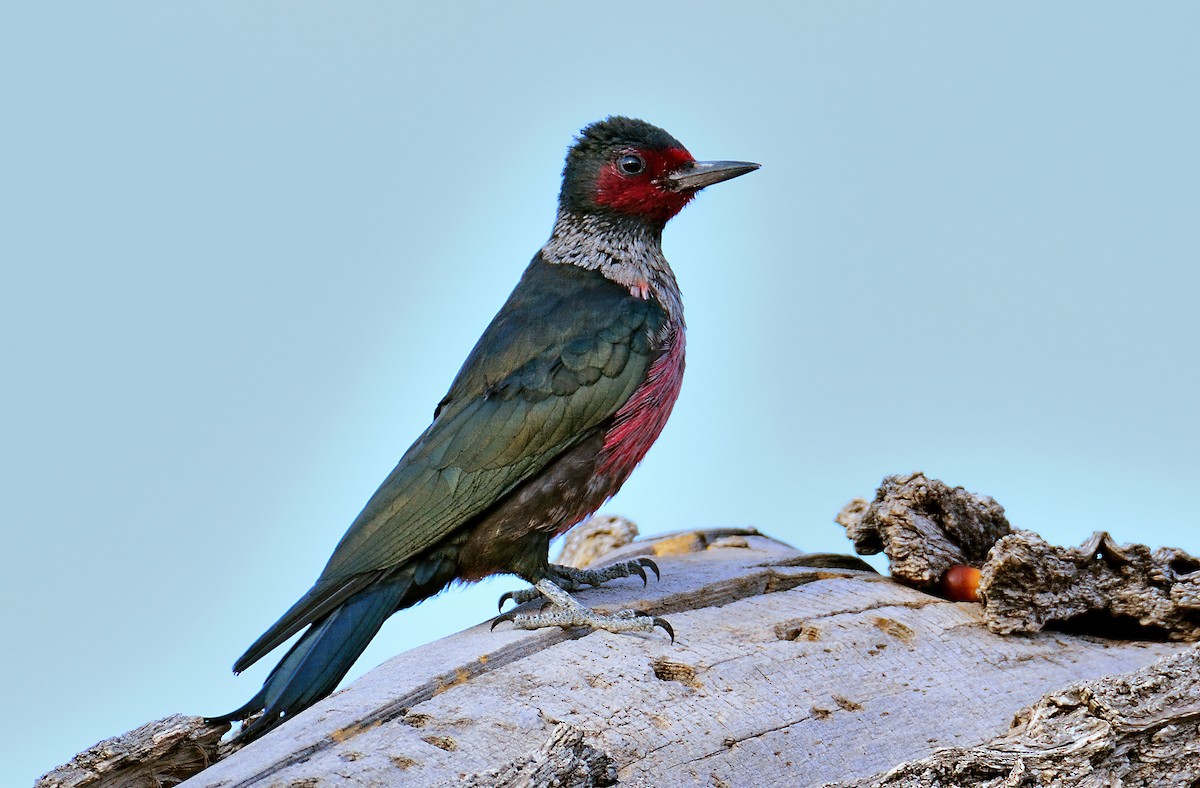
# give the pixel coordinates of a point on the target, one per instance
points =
(782, 674)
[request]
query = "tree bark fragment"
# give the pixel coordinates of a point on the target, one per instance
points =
(924, 526)
(158, 754)
(565, 759)
(1136, 729)
(588, 542)
(1101, 588)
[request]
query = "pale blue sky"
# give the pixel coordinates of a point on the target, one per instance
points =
(245, 247)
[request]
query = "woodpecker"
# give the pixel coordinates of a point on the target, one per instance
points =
(560, 399)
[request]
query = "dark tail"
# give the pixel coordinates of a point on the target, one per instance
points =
(323, 655)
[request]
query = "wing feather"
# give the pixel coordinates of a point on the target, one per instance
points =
(501, 421)
(565, 352)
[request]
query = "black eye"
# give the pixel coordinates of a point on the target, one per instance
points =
(631, 164)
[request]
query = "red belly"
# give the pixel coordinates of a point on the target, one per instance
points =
(641, 419)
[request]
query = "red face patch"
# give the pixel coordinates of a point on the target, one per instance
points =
(624, 188)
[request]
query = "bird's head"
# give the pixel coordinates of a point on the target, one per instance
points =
(628, 168)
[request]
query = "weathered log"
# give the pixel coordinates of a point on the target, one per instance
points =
(1135, 729)
(156, 755)
(564, 759)
(924, 526)
(782, 674)
(1101, 588)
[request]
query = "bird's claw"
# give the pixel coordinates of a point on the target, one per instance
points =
(653, 567)
(637, 568)
(571, 579)
(526, 621)
(566, 612)
(501, 619)
(520, 596)
(655, 621)
(640, 567)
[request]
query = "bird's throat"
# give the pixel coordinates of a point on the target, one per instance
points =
(628, 252)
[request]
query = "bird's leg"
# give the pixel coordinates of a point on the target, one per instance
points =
(568, 578)
(565, 612)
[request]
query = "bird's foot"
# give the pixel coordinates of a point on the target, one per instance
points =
(565, 612)
(568, 578)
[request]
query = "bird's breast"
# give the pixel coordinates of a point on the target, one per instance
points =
(638, 423)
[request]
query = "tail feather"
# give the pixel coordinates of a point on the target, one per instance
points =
(339, 633)
(311, 608)
(323, 655)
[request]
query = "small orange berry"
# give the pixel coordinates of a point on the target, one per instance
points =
(961, 583)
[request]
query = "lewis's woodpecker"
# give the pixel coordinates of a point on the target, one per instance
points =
(560, 399)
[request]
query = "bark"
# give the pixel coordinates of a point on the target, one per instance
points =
(564, 759)
(161, 753)
(789, 669)
(1026, 584)
(782, 674)
(588, 542)
(924, 526)
(1140, 728)
(1101, 588)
